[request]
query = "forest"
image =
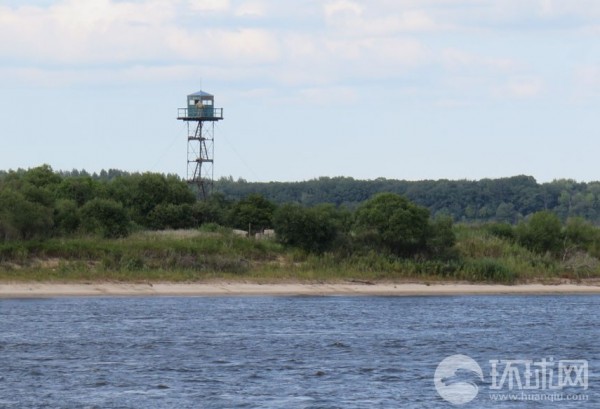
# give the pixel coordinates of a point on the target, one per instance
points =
(507, 200)
(100, 225)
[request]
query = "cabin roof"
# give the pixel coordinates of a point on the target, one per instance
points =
(201, 94)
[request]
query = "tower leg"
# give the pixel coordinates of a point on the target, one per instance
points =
(200, 157)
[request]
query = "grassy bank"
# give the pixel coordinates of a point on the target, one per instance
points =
(194, 255)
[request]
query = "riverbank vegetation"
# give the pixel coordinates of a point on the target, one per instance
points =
(149, 227)
(480, 254)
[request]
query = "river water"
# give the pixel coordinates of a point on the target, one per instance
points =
(294, 352)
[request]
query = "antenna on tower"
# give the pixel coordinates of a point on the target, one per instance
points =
(200, 116)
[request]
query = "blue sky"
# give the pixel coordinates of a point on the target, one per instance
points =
(405, 89)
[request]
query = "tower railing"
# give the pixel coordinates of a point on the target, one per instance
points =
(205, 113)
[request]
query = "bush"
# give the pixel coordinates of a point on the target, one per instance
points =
(66, 217)
(542, 233)
(172, 216)
(213, 210)
(105, 217)
(212, 228)
(501, 230)
(21, 218)
(442, 238)
(312, 230)
(579, 236)
(142, 193)
(392, 221)
(254, 213)
(80, 189)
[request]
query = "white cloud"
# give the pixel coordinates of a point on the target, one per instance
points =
(454, 58)
(458, 60)
(586, 78)
(257, 94)
(342, 8)
(585, 9)
(249, 45)
(520, 88)
(319, 45)
(79, 33)
(328, 96)
(220, 46)
(253, 8)
(40, 77)
(82, 32)
(588, 75)
(209, 5)
(393, 53)
(313, 60)
(145, 37)
(357, 21)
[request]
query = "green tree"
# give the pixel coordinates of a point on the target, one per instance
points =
(172, 216)
(42, 176)
(67, 218)
(311, 229)
(502, 230)
(141, 193)
(394, 222)
(21, 218)
(215, 209)
(579, 235)
(254, 212)
(506, 213)
(105, 217)
(79, 189)
(178, 191)
(441, 238)
(38, 194)
(542, 233)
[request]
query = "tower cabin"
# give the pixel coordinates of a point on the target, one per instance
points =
(200, 106)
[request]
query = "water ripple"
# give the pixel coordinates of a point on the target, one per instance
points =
(266, 352)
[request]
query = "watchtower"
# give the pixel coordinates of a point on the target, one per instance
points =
(200, 116)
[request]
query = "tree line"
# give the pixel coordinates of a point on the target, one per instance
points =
(41, 203)
(508, 200)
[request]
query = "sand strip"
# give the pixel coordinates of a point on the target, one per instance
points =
(25, 290)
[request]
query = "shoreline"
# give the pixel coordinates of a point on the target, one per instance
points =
(217, 289)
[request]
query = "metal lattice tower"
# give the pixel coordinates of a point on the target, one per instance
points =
(200, 116)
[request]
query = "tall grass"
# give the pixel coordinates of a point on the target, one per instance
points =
(142, 256)
(216, 253)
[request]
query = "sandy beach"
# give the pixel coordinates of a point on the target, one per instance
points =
(27, 290)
